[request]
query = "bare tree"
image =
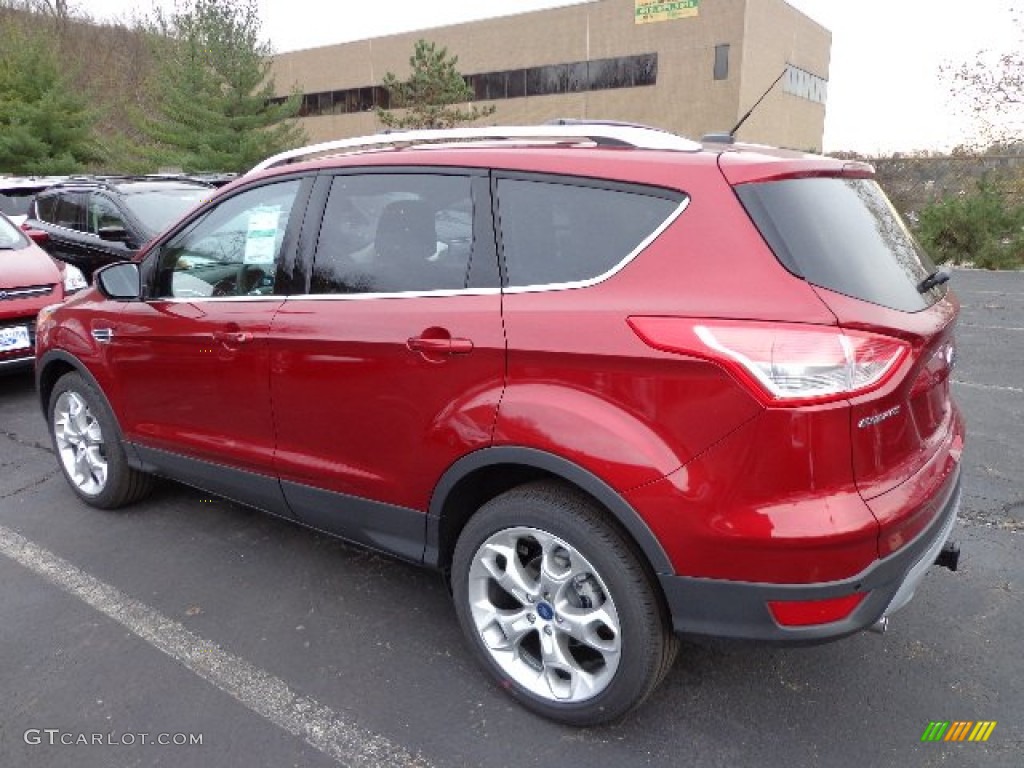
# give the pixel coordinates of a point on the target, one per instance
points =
(990, 90)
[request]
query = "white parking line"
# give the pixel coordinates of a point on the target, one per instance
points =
(991, 387)
(990, 327)
(261, 692)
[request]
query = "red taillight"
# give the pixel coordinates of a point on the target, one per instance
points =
(783, 363)
(804, 613)
(35, 235)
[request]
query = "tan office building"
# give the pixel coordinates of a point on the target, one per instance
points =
(691, 66)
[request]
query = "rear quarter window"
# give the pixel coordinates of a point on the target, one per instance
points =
(843, 235)
(562, 232)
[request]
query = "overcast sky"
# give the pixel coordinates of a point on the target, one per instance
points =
(885, 92)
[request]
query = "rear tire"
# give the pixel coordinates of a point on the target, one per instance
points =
(557, 606)
(89, 447)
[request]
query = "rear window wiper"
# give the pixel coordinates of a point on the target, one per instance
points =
(938, 277)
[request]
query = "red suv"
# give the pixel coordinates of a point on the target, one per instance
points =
(29, 280)
(615, 385)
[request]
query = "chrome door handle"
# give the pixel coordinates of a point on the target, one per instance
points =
(440, 346)
(232, 337)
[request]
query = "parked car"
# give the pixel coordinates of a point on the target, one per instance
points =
(93, 221)
(16, 193)
(29, 280)
(613, 384)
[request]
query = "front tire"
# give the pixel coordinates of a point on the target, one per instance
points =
(88, 446)
(557, 606)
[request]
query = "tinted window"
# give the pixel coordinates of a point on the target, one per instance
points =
(70, 211)
(545, 80)
(721, 62)
(46, 208)
(558, 233)
(102, 214)
(392, 233)
(844, 235)
(232, 249)
(645, 69)
(516, 83)
(157, 207)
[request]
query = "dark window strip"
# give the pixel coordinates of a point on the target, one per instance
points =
(574, 77)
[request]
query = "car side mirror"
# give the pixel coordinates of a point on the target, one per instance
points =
(114, 234)
(120, 281)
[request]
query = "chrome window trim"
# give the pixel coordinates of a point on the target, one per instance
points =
(591, 281)
(441, 293)
(450, 292)
(218, 299)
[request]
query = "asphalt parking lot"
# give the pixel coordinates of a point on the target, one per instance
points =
(188, 617)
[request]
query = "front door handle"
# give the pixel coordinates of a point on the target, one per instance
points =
(232, 337)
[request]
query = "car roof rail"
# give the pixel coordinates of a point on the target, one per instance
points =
(110, 180)
(603, 134)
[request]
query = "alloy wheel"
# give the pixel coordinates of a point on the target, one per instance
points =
(80, 445)
(544, 615)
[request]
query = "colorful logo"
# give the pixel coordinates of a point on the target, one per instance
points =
(959, 730)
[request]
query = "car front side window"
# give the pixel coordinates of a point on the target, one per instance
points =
(231, 250)
(103, 215)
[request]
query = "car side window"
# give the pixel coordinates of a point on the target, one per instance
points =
(46, 208)
(102, 214)
(395, 233)
(561, 232)
(231, 250)
(70, 211)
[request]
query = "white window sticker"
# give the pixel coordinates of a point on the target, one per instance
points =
(261, 239)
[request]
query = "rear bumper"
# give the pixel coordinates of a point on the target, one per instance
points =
(740, 609)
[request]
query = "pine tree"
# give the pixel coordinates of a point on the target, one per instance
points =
(430, 96)
(45, 127)
(213, 108)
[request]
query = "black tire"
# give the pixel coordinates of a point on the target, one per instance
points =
(560, 515)
(122, 484)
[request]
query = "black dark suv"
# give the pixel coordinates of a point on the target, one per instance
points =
(93, 221)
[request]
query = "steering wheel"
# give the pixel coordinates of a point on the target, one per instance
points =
(247, 277)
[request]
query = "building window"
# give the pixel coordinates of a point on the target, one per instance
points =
(801, 83)
(722, 62)
(573, 77)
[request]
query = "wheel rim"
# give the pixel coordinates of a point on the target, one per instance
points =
(80, 443)
(545, 615)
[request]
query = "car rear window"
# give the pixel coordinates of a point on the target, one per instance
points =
(843, 235)
(158, 208)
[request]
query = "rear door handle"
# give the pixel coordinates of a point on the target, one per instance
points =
(232, 337)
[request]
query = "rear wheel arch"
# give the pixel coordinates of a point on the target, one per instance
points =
(481, 476)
